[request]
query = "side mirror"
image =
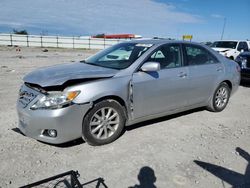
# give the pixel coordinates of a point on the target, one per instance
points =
(150, 67)
(242, 50)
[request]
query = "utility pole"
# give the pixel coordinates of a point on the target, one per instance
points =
(223, 29)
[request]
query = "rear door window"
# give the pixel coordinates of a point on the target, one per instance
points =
(196, 55)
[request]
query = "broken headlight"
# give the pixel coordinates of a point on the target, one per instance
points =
(55, 100)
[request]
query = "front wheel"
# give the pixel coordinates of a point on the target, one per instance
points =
(220, 98)
(104, 123)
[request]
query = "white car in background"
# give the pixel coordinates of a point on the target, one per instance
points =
(231, 48)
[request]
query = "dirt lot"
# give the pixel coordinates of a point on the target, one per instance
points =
(175, 149)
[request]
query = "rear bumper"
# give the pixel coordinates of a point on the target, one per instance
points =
(66, 121)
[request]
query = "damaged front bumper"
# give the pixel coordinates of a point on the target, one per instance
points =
(67, 121)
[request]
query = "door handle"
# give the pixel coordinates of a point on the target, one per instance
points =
(182, 74)
(219, 69)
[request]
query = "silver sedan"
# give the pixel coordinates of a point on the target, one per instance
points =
(125, 84)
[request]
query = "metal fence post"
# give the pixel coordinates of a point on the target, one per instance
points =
(104, 41)
(11, 43)
(89, 42)
(27, 40)
(57, 42)
(41, 41)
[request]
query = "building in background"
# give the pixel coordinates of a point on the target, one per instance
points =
(117, 36)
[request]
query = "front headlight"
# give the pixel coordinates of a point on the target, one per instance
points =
(55, 100)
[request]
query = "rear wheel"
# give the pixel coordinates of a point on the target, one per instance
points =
(220, 98)
(104, 123)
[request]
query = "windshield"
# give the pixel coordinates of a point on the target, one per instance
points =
(224, 44)
(119, 56)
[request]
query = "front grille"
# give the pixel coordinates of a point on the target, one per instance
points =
(26, 96)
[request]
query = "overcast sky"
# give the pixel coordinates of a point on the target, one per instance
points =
(167, 18)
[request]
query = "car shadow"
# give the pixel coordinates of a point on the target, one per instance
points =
(235, 179)
(17, 130)
(161, 119)
(72, 143)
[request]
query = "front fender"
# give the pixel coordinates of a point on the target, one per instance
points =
(94, 90)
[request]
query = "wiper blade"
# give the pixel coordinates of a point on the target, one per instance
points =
(92, 64)
(98, 65)
(89, 63)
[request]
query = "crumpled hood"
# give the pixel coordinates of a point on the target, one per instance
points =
(59, 74)
(221, 49)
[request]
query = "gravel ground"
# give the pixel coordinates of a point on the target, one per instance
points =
(172, 151)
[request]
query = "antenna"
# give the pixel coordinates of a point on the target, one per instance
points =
(223, 29)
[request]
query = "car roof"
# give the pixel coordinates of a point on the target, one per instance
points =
(231, 41)
(160, 41)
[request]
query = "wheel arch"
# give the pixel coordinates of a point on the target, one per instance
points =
(231, 57)
(110, 97)
(210, 105)
(229, 83)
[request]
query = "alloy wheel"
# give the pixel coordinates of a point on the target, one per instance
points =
(221, 97)
(104, 123)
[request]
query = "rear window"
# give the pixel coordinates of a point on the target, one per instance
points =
(224, 44)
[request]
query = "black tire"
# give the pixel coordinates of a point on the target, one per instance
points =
(95, 116)
(213, 104)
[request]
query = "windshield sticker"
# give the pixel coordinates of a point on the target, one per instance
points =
(144, 45)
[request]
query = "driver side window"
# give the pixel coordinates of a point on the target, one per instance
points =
(168, 55)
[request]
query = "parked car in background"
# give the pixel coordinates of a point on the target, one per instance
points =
(231, 48)
(244, 61)
(125, 84)
(207, 43)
